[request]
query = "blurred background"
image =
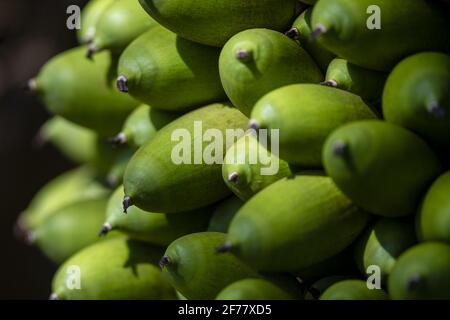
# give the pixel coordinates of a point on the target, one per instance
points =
(31, 32)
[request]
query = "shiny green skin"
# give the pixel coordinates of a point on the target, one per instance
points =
(156, 228)
(379, 170)
(224, 213)
(115, 269)
(143, 123)
(306, 114)
(120, 24)
(353, 290)
(318, 288)
(429, 265)
(349, 37)
(197, 272)
(70, 187)
(251, 180)
(383, 243)
(275, 61)
(368, 84)
(89, 17)
(295, 223)
(75, 88)
(75, 142)
(70, 229)
(433, 218)
(255, 289)
(171, 73)
(156, 184)
(413, 85)
(321, 55)
(214, 22)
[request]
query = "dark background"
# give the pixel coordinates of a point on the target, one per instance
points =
(31, 32)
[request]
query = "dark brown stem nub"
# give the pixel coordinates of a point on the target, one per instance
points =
(233, 177)
(105, 229)
(329, 83)
(118, 140)
(226, 247)
(165, 261)
(122, 84)
(318, 31)
(253, 124)
(242, 55)
(92, 49)
(340, 148)
(127, 202)
(21, 232)
(293, 33)
(31, 86)
(53, 296)
(414, 282)
(436, 110)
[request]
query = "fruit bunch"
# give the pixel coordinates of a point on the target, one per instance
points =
(345, 104)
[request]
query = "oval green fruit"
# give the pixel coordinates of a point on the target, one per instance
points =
(301, 30)
(89, 17)
(353, 290)
(375, 164)
(417, 97)
(213, 23)
(376, 34)
(142, 125)
(305, 114)
(170, 73)
(433, 218)
(77, 89)
(293, 224)
(318, 288)
(257, 61)
(249, 167)
(178, 170)
(383, 243)
(224, 213)
(196, 271)
(368, 84)
(156, 228)
(422, 272)
(69, 229)
(255, 289)
(115, 269)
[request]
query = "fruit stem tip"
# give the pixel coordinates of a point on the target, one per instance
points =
(122, 84)
(340, 148)
(253, 124)
(127, 202)
(318, 31)
(165, 261)
(293, 33)
(118, 140)
(436, 110)
(329, 83)
(92, 49)
(233, 177)
(226, 247)
(105, 229)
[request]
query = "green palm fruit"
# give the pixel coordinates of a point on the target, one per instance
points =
(196, 271)
(305, 115)
(257, 61)
(255, 289)
(383, 243)
(115, 269)
(376, 163)
(433, 218)
(224, 213)
(142, 125)
(213, 23)
(170, 73)
(178, 170)
(368, 84)
(70, 187)
(353, 290)
(318, 288)
(69, 229)
(422, 272)
(293, 224)
(75, 142)
(349, 29)
(416, 96)
(77, 89)
(301, 30)
(249, 167)
(119, 24)
(156, 228)
(89, 18)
